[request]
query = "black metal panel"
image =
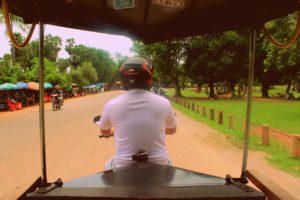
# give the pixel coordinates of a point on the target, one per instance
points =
(200, 192)
(148, 181)
(31, 188)
(145, 175)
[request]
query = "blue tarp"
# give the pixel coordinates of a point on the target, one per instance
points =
(21, 85)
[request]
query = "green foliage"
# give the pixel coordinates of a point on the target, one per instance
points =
(276, 65)
(216, 58)
(63, 64)
(51, 72)
(24, 56)
(85, 74)
(100, 59)
(167, 58)
(88, 72)
(10, 73)
(15, 20)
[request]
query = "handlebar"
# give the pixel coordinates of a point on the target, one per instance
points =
(96, 120)
(105, 136)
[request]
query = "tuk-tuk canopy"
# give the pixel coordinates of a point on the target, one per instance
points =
(153, 20)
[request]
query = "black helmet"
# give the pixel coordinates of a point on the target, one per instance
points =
(136, 72)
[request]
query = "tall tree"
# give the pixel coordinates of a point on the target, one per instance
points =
(25, 55)
(10, 73)
(100, 59)
(283, 62)
(167, 58)
(52, 74)
(85, 74)
(218, 57)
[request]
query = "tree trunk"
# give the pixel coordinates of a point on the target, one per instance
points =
(239, 89)
(177, 88)
(297, 87)
(13, 55)
(288, 88)
(211, 89)
(265, 90)
(232, 89)
(199, 88)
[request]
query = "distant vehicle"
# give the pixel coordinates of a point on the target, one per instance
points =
(159, 91)
(56, 102)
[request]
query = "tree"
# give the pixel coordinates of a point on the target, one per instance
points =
(63, 65)
(119, 59)
(15, 20)
(52, 74)
(167, 58)
(88, 72)
(25, 55)
(7, 70)
(274, 65)
(100, 59)
(213, 58)
(283, 61)
(85, 74)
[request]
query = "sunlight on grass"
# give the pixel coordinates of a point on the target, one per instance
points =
(283, 115)
(280, 114)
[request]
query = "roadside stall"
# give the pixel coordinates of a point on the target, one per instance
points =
(20, 93)
(32, 93)
(8, 101)
(47, 87)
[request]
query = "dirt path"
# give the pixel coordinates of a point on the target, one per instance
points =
(201, 148)
(73, 149)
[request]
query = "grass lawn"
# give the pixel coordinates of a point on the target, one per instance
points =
(256, 92)
(283, 115)
(280, 114)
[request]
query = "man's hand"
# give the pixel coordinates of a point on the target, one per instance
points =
(170, 131)
(107, 133)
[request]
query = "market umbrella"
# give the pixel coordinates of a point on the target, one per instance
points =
(8, 86)
(48, 85)
(91, 86)
(33, 86)
(21, 85)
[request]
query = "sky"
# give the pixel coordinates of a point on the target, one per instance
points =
(111, 43)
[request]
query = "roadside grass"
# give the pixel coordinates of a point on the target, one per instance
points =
(189, 92)
(282, 115)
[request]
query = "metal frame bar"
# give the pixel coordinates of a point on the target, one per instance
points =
(249, 100)
(41, 103)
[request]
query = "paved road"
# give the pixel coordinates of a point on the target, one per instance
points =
(74, 150)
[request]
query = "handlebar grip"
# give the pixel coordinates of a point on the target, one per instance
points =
(104, 136)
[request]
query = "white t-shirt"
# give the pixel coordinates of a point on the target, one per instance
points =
(139, 118)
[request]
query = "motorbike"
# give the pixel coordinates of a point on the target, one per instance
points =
(159, 91)
(150, 22)
(56, 102)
